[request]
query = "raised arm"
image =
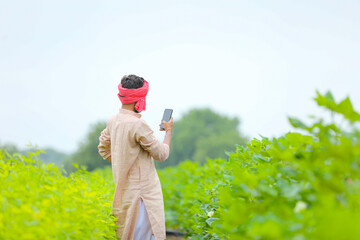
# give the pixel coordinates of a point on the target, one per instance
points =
(145, 137)
(168, 128)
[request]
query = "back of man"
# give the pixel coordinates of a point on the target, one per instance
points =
(129, 143)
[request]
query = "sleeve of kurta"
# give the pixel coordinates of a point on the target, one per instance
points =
(104, 146)
(145, 137)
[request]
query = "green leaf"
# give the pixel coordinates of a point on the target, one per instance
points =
(209, 221)
(258, 156)
(325, 102)
(75, 165)
(263, 137)
(346, 108)
(297, 123)
(329, 96)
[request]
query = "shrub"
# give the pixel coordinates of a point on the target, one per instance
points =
(37, 202)
(303, 185)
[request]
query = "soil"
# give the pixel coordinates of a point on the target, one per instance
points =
(174, 238)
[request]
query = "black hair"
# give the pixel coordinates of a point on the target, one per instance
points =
(132, 81)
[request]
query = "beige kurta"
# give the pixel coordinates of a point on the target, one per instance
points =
(129, 143)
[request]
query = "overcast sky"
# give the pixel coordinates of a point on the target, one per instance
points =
(61, 62)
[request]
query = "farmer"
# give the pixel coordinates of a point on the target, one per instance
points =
(130, 145)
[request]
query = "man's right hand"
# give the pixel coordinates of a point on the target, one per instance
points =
(167, 125)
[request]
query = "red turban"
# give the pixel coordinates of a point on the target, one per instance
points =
(137, 95)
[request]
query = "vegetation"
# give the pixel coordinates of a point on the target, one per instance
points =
(198, 135)
(48, 155)
(37, 202)
(52, 156)
(10, 148)
(299, 186)
(303, 185)
(202, 134)
(87, 153)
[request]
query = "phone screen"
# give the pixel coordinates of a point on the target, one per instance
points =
(166, 117)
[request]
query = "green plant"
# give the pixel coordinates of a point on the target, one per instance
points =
(37, 202)
(303, 185)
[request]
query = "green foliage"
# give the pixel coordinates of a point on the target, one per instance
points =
(37, 202)
(87, 153)
(51, 155)
(11, 148)
(344, 107)
(202, 134)
(298, 186)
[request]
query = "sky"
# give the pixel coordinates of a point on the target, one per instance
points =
(260, 61)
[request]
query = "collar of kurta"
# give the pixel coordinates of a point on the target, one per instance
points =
(125, 111)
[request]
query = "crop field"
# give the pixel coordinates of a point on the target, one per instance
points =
(303, 185)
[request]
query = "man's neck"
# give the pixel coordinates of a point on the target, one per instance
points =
(130, 107)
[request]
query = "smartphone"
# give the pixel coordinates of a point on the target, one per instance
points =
(166, 117)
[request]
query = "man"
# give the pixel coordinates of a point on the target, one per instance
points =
(130, 145)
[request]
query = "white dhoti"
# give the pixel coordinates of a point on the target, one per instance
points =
(143, 229)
